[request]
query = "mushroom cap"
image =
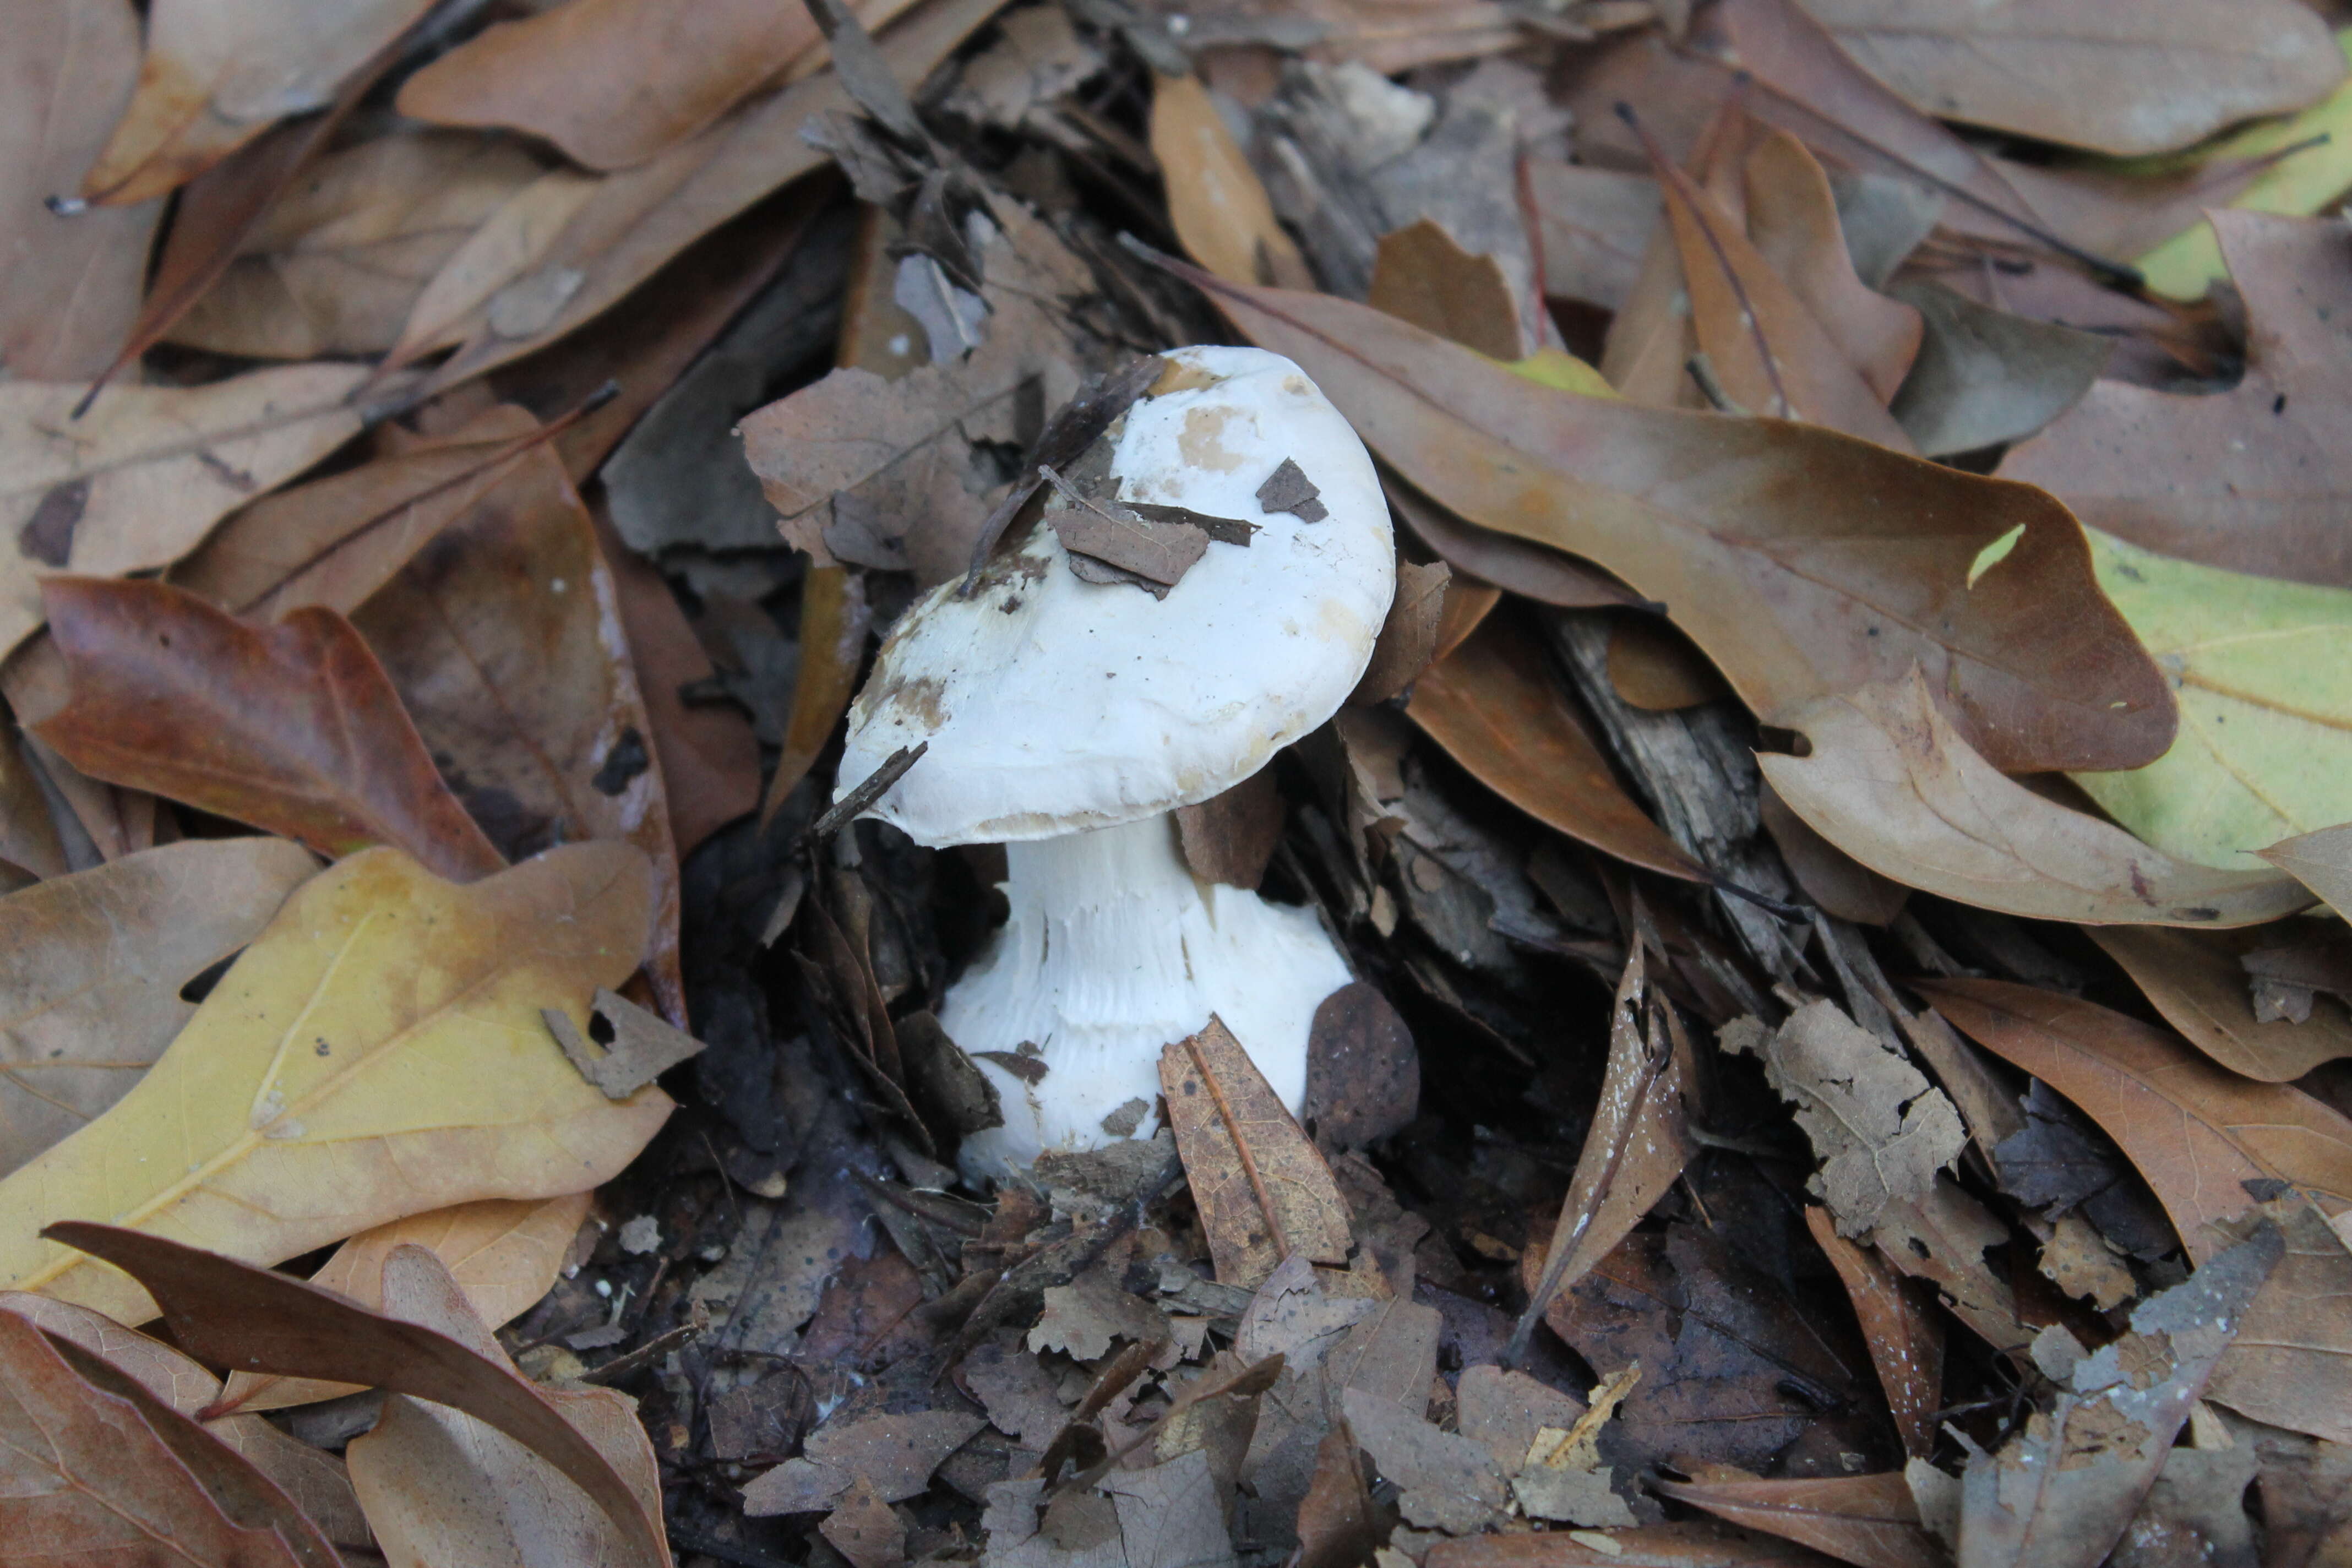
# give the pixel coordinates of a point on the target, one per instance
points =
(1052, 704)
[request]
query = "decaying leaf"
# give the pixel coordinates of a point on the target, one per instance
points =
(295, 728)
(234, 1314)
(2291, 1364)
(1881, 1129)
(2195, 1133)
(644, 1047)
(1893, 785)
(1906, 1342)
(443, 1486)
(91, 968)
(1264, 1194)
(896, 1453)
(1636, 1146)
(1494, 707)
(134, 482)
(2062, 1491)
(377, 1051)
(1758, 535)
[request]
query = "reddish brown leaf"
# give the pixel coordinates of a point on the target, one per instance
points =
(1230, 838)
(1494, 707)
(1216, 202)
(1906, 1342)
(1528, 569)
(1654, 667)
(1263, 1192)
(1424, 275)
(2291, 1364)
(251, 1318)
(1701, 1545)
(1868, 1521)
(1802, 561)
(88, 1475)
(2195, 1133)
(294, 730)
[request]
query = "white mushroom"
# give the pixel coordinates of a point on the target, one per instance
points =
(1068, 718)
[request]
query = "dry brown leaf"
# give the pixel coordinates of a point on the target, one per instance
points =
(1635, 1147)
(1892, 784)
(312, 1478)
(644, 1047)
(2062, 1491)
(2195, 1131)
(896, 1453)
(1868, 1521)
(1906, 1342)
(862, 1528)
(217, 75)
(1263, 1192)
(1984, 376)
(1595, 224)
(503, 636)
(637, 220)
(1793, 222)
(1410, 635)
(2251, 479)
(1835, 882)
(1421, 274)
(1881, 1129)
(90, 1471)
(1216, 202)
(1943, 1240)
(2199, 984)
(295, 728)
(334, 541)
(1230, 838)
(335, 266)
(1493, 706)
(235, 1314)
(377, 1052)
(1772, 353)
(504, 1254)
(91, 967)
(1524, 568)
(136, 482)
(1654, 667)
(1801, 562)
(2117, 79)
(73, 284)
(441, 1486)
(614, 82)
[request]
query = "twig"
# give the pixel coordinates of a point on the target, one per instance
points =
(871, 788)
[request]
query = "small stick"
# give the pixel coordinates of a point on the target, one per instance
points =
(873, 787)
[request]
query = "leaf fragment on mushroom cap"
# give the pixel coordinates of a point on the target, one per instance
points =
(1288, 488)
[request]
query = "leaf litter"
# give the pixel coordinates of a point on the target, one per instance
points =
(1723, 1151)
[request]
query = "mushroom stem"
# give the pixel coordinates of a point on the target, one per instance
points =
(1112, 952)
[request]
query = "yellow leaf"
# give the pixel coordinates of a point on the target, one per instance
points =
(377, 1052)
(1563, 372)
(2298, 184)
(2261, 669)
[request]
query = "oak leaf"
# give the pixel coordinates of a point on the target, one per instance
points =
(295, 728)
(93, 964)
(1800, 561)
(1890, 781)
(377, 1052)
(137, 480)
